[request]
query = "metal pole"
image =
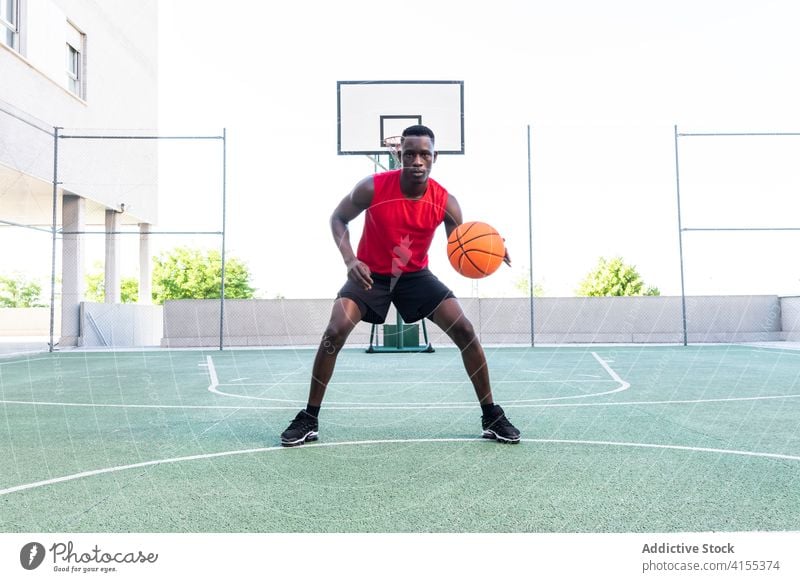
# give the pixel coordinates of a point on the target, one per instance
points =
(530, 229)
(398, 319)
(224, 217)
(55, 230)
(680, 237)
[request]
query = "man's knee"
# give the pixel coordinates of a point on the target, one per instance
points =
(344, 317)
(462, 333)
(336, 334)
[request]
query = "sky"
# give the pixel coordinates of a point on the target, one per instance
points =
(601, 85)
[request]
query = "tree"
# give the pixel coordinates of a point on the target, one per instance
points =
(614, 278)
(96, 282)
(187, 273)
(18, 291)
(523, 285)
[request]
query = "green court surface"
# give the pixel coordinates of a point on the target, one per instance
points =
(615, 439)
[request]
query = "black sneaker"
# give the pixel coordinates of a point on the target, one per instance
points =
(303, 428)
(496, 426)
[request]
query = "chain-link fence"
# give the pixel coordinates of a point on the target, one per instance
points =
(105, 225)
(109, 238)
(738, 215)
(26, 234)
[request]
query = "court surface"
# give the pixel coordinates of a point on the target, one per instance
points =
(615, 439)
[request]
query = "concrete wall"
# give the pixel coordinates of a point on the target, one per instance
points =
(121, 64)
(256, 322)
(27, 321)
(656, 319)
(790, 319)
(26, 330)
(498, 321)
(121, 92)
(301, 322)
(101, 325)
(120, 325)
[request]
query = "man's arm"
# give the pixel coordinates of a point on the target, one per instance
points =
(452, 214)
(350, 207)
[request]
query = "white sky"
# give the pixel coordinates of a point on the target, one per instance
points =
(600, 83)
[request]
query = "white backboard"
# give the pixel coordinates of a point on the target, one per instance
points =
(369, 111)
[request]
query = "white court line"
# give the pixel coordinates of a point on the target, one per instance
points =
(407, 382)
(389, 407)
(662, 402)
(146, 406)
(205, 456)
(792, 347)
(212, 372)
(623, 385)
(291, 404)
(20, 361)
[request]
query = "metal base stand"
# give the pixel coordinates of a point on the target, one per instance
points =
(400, 343)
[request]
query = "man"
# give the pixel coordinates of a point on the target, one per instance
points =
(403, 209)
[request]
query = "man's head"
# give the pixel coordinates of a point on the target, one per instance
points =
(419, 130)
(417, 153)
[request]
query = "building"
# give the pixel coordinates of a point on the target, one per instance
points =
(69, 68)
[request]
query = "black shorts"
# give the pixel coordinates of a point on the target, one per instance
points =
(415, 295)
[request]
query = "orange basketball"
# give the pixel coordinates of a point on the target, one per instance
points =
(475, 249)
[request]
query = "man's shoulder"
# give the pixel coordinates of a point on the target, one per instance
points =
(386, 181)
(438, 187)
(438, 184)
(386, 175)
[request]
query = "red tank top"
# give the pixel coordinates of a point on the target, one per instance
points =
(397, 230)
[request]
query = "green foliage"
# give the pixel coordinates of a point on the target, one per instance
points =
(95, 286)
(614, 278)
(187, 273)
(523, 285)
(129, 290)
(18, 291)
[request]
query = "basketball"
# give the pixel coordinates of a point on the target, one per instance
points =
(475, 249)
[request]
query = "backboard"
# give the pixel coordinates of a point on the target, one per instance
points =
(369, 111)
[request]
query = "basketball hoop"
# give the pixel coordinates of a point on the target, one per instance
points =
(392, 145)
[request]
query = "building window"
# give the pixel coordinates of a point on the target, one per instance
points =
(76, 41)
(74, 69)
(9, 23)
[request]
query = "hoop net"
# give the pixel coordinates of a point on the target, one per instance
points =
(392, 145)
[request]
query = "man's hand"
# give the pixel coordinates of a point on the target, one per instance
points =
(359, 273)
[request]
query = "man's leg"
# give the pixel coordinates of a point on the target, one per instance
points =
(344, 317)
(450, 317)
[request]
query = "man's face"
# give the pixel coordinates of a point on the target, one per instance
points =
(417, 156)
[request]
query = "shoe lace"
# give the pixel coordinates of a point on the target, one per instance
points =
(501, 422)
(301, 421)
